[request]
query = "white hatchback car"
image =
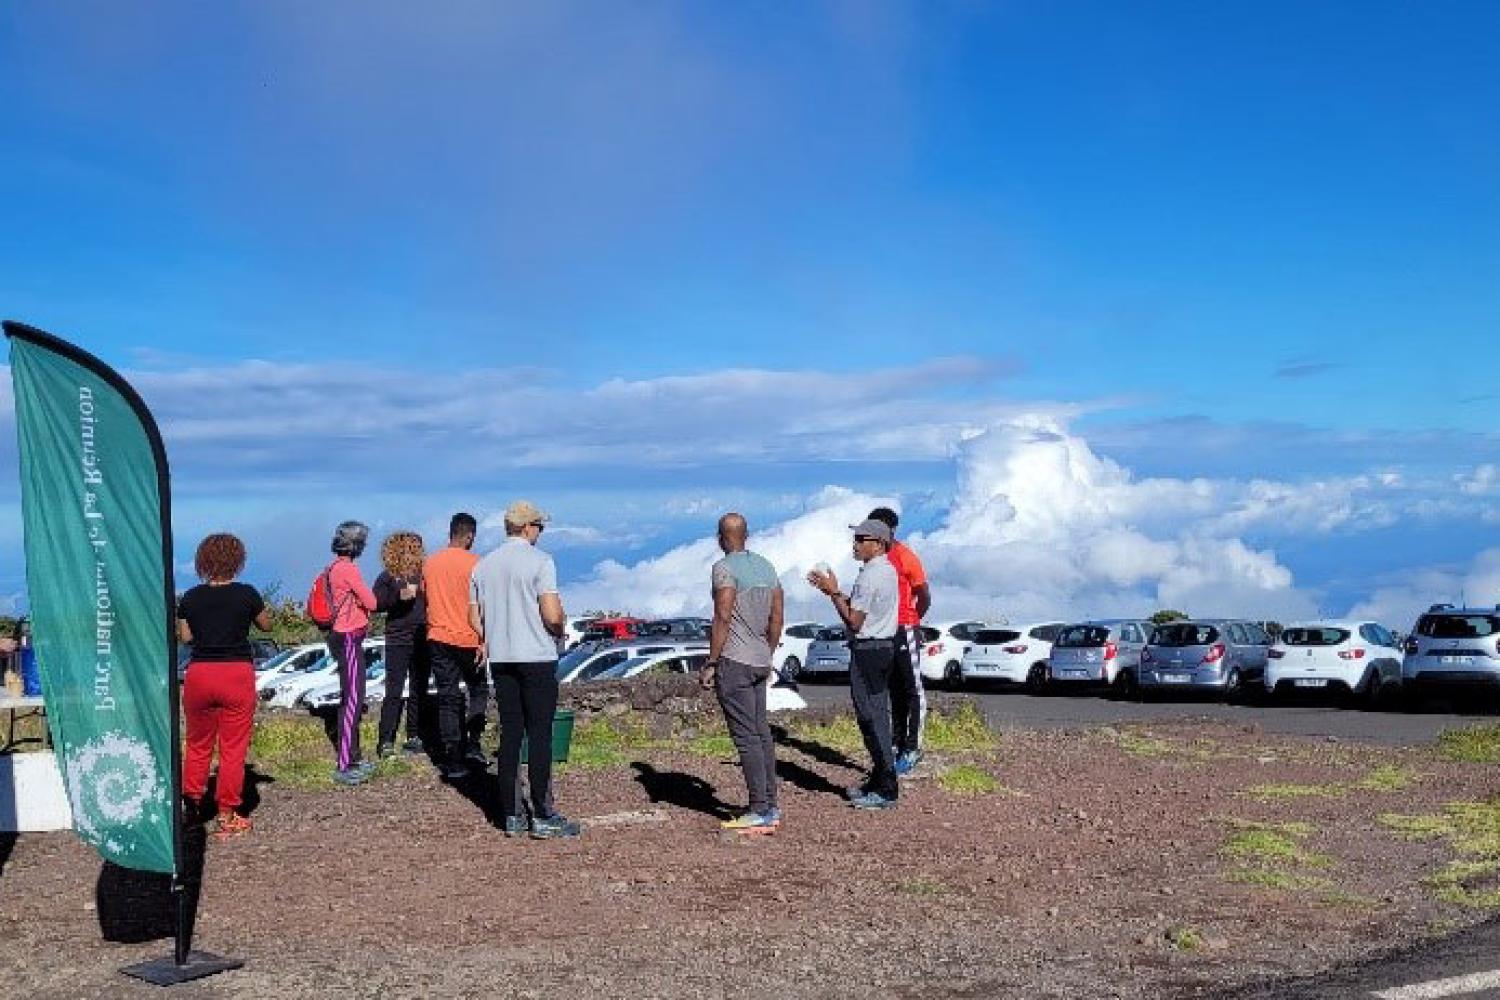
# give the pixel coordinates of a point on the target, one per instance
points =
(943, 647)
(1011, 654)
(288, 692)
(298, 660)
(1349, 657)
(790, 655)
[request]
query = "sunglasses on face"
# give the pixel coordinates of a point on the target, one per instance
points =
(864, 538)
(539, 526)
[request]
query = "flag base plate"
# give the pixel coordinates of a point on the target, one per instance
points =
(166, 972)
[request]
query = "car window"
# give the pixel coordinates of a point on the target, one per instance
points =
(1237, 634)
(801, 631)
(1185, 634)
(1458, 626)
(1083, 637)
(1315, 636)
(1046, 633)
(1387, 639)
(831, 635)
(996, 636)
(603, 663)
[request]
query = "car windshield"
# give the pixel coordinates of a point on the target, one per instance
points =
(277, 660)
(1459, 626)
(1083, 637)
(1314, 636)
(602, 663)
(620, 669)
(1184, 634)
(574, 657)
(995, 636)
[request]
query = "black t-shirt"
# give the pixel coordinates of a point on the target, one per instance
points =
(220, 618)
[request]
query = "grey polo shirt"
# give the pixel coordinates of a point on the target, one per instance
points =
(753, 580)
(876, 592)
(506, 584)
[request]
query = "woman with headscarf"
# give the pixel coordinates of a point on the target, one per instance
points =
(352, 602)
(218, 696)
(399, 594)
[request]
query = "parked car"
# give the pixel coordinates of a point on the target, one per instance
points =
(296, 661)
(1222, 655)
(1453, 649)
(286, 692)
(827, 654)
(611, 628)
(790, 654)
(1350, 657)
(1106, 651)
(325, 696)
(573, 631)
(681, 629)
(1010, 654)
(589, 661)
(943, 647)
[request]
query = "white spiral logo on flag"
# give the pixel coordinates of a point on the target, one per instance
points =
(111, 781)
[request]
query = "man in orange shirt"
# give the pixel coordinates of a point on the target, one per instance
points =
(908, 700)
(453, 648)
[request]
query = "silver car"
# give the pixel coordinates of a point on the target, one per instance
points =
(588, 660)
(828, 654)
(1216, 654)
(1107, 651)
(1453, 648)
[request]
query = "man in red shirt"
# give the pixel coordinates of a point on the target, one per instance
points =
(908, 700)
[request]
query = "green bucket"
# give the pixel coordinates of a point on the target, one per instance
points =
(562, 736)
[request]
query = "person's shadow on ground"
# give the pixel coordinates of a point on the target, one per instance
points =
(677, 788)
(482, 788)
(817, 751)
(7, 845)
(806, 779)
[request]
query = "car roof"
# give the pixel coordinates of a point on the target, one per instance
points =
(1349, 623)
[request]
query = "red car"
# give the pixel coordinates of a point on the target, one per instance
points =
(612, 628)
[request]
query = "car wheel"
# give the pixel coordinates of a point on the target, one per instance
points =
(953, 676)
(1124, 687)
(791, 669)
(1233, 689)
(1037, 678)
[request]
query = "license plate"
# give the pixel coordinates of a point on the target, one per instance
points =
(1175, 678)
(1309, 682)
(1082, 674)
(985, 666)
(1458, 661)
(830, 663)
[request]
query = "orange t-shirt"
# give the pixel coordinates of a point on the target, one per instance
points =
(445, 576)
(909, 576)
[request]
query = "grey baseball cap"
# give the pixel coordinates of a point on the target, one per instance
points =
(873, 528)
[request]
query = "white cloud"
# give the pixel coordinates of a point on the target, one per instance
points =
(1400, 603)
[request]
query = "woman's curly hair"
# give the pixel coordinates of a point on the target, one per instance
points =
(402, 554)
(220, 557)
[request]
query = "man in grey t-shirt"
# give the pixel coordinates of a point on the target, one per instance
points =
(747, 627)
(515, 608)
(870, 615)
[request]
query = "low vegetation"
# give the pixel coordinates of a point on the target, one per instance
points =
(1473, 744)
(1472, 831)
(296, 750)
(967, 779)
(1271, 856)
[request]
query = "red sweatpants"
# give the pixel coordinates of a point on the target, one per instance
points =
(219, 702)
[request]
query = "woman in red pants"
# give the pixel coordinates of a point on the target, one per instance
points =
(218, 696)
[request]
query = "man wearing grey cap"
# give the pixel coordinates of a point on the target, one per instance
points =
(515, 607)
(869, 613)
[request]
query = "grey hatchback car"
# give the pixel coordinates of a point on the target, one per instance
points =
(1453, 648)
(1106, 652)
(1212, 654)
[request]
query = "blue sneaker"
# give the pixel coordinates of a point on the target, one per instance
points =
(516, 826)
(353, 776)
(855, 792)
(873, 800)
(754, 822)
(907, 762)
(554, 826)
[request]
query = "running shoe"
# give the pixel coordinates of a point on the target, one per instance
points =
(231, 824)
(413, 745)
(455, 772)
(873, 800)
(751, 822)
(385, 751)
(353, 776)
(907, 762)
(515, 826)
(365, 767)
(552, 827)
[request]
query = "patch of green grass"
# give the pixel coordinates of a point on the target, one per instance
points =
(1341, 900)
(962, 730)
(715, 745)
(1468, 883)
(1472, 828)
(295, 750)
(1280, 792)
(1184, 938)
(1144, 745)
(1418, 827)
(1275, 878)
(966, 779)
(1388, 778)
(1475, 744)
(922, 887)
(839, 733)
(1272, 844)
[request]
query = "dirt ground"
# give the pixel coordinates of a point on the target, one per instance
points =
(1165, 861)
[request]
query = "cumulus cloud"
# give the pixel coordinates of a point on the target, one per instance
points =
(1400, 603)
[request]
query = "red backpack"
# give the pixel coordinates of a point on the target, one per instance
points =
(320, 600)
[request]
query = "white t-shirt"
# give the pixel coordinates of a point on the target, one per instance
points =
(877, 592)
(506, 584)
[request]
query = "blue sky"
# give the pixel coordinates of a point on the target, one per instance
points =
(1232, 241)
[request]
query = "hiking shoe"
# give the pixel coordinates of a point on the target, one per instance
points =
(455, 772)
(750, 822)
(773, 816)
(515, 826)
(855, 792)
(231, 824)
(873, 800)
(353, 776)
(365, 767)
(907, 762)
(385, 751)
(413, 745)
(556, 825)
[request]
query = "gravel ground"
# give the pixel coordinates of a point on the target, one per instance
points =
(1096, 869)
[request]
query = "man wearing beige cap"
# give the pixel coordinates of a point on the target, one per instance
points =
(515, 607)
(869, 613)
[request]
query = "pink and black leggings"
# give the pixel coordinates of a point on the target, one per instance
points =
(348, 649)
